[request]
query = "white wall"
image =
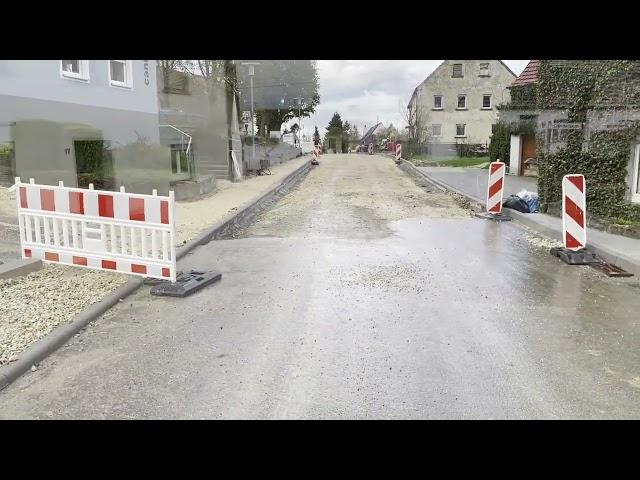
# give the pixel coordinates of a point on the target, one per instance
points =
(478, 121)
(514, 155)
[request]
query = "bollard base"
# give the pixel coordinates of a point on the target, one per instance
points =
(186, 284)
(496, 217)
(577, 257)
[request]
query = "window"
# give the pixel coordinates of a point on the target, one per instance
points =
(78, 69)
(462, 102)
(120, 73)
(486, 102)
(461, 130)
(437, 102)
(436, 130)
(484, 69)
(457, 71)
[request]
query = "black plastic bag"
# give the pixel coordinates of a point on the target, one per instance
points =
(514, 202)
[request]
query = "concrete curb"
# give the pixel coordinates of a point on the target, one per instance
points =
(58, 337)
(216, 230)
(48, 344)
(615, 258)
(412, 170)
(22, 266)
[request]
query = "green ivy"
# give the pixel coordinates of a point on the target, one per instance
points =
(500, 143)
(579, 87)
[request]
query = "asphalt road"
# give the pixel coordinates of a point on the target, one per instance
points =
(359, 295)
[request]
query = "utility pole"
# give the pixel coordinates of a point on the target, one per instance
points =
(251, 66)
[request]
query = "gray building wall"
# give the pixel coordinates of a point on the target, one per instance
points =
(42, 113)
(201, 111)
(478, 121)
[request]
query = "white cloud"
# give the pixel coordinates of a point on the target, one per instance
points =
(367, 91)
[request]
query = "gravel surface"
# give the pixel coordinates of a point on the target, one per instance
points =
(545, 243)
(192, 217)
(8, 208)
(34, 304)
(365, 192)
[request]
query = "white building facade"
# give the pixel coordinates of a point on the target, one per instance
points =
(457, 103)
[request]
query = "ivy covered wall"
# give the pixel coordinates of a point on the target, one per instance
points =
(600, 151)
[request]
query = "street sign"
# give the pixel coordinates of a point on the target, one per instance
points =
(495, 187)
(574, 212)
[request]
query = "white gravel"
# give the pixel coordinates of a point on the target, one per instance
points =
(8, 207)
(31, 306)
(545, 243)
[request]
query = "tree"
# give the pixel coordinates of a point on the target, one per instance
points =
(354, 134)
(278, 87)
(346, 139)
(335, 133)
(417, 133)
(316, 136)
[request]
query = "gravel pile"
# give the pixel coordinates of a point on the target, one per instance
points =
(545, 243)
(31, 306)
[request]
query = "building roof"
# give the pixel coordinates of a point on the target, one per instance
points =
(529, 75)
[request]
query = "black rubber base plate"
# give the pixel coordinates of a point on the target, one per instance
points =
(186, 284)
(578, 257)
(496, 217)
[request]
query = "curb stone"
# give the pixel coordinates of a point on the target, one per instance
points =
(48, 344)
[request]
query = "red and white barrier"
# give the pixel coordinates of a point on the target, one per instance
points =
(114, 231)
(316, 153)
(574, 212)
(495, 188)
(398, 152)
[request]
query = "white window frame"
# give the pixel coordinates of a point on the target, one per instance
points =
(82, 75)
(635, 189)
(441, 107)
(458, 101)
(490, 101)
(465, 130)
(128, 77)
(436, 125)
(484, 73)
(461, 70)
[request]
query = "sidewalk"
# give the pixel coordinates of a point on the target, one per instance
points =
(471, 183)
(34, 305)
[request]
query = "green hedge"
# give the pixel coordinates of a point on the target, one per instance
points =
(580, 87)
(603, 162)
(500, 143)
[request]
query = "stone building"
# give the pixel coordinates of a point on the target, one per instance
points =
(456, 104)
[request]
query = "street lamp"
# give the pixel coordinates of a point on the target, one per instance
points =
(299, 101)
(251, 66)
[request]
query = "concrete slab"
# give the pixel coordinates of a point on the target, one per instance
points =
(17, 268)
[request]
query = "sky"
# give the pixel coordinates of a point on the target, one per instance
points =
(367, 91)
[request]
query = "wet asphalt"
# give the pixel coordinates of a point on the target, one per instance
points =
(330, 308)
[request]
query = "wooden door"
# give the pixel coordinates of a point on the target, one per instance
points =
(528, 150)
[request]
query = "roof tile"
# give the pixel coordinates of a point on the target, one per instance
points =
(529, 74)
